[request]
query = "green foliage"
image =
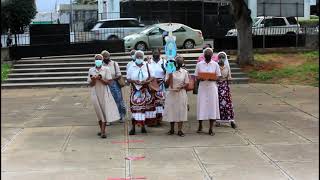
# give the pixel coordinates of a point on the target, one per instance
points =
(17, 14)
(311, 54)
(5, 69)
(314, 17)
(307, 73)
(309, 23)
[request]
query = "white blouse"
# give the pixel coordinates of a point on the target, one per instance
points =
(156, 68)
(211, 67)
(139, 73)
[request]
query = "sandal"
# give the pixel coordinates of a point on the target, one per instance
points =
(181, 134)
(103, 136)
(143, 130)
(170, 132)
(199, 130)
(211, 133)
(233, 125)
(132, 132)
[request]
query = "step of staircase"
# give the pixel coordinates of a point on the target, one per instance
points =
(71, 71)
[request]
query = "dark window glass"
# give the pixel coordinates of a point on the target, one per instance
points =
(181, 29)
(292, 20)
(278, 22)
(128, 23)
(156, 31)
(109, 24)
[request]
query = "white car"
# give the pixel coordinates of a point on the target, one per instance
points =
(116, 28)
(272, 26)
(152, 37)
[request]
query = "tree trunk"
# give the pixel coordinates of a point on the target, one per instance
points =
(243, 24)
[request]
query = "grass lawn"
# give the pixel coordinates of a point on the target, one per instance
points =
(285, 68)
(5, 68)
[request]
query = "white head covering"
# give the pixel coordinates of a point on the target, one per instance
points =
(139, 51)
(208, 49)
(226, 61)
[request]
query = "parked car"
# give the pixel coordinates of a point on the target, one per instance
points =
(272, 26)
(151, 37)
(116, 28)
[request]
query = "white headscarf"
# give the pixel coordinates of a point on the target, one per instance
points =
(139, 51)
(226, 61)
(208, 49)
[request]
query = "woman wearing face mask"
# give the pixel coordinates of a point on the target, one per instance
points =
(157, 67)
(114, 85)
(141, 100)
(132, 52)
(207, 100)
(201, 57)
(225, 101)
(104, 105)
(176, 103)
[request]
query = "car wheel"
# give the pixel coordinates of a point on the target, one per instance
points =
(188, 44)
(113, 38)
(141, 46)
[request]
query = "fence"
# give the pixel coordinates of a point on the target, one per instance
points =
(275, 34)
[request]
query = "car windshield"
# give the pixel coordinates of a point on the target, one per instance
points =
(146, 30)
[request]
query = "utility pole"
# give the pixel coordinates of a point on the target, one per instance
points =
(71, 15)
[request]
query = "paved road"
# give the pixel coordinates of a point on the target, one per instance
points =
(50, 134)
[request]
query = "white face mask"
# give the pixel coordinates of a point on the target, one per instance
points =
(139, 61)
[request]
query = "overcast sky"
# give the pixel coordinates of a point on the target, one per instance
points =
(49, 5)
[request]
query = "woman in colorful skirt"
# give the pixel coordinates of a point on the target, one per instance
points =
(157, 67)
(225, 101)
(104, 105)
(176, 103)
(141, 101)
(114, 85)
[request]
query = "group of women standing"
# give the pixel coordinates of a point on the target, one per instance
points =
(168, 100)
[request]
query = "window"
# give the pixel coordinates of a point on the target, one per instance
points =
(292, 20)
(109, 24)
(129, 23)
(278, 22)
(181, 29)
(154, 32)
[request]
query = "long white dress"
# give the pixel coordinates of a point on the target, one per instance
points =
(101, 97)
(208, 99)
(176, 103)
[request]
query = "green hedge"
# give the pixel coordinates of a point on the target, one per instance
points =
(308, 23)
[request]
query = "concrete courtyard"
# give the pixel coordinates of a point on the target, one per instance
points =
(50, 134)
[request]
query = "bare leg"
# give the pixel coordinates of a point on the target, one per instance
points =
(103, 130)
(211, 127)
(200, 127)
(143, 129)
(100, 125)
(133, 129)
(171, 129)
(180, 133)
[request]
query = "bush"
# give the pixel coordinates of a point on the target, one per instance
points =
(309, 23)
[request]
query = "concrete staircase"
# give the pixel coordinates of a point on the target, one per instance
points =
(71, 71)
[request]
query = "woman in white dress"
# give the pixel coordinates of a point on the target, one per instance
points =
(207, 100)
(176, 103)
(101, 97)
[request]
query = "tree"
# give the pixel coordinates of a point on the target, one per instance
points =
(16, 15)
(243, 22)
(85, 1)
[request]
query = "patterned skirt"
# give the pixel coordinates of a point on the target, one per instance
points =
(142, 105)
(225, 102)
(160, 98)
